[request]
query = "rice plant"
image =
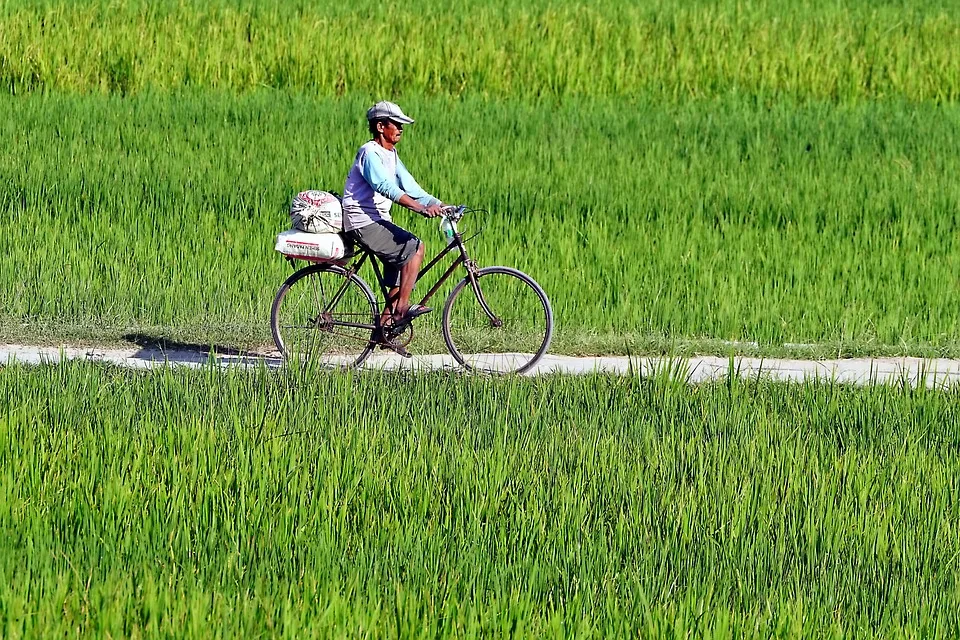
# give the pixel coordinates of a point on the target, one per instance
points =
(834, 51)
(226, 504)
(650, 225)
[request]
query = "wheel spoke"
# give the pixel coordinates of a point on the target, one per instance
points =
(313, 282)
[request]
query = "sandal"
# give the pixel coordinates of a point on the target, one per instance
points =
(414, 312)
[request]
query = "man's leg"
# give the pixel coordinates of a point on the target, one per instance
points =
(386, 316)
(398, 298)
(408, 278)
(401, 253)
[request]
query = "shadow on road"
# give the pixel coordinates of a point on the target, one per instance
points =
(159, 349)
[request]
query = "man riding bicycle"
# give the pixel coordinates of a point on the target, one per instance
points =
(376, 180)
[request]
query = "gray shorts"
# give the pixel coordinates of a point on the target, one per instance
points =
(392, 244)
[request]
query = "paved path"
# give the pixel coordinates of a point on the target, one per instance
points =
(913, 371)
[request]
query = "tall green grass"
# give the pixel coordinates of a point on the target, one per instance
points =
(836, 51)
(646, 223)
(212, 504)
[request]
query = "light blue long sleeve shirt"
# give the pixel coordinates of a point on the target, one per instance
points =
(376, 180)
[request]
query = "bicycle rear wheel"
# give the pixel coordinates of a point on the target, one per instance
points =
(502, 326)
(325, 315)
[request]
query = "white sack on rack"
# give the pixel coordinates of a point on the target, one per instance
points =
(310, 246)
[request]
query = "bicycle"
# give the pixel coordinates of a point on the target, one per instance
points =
(325, 312)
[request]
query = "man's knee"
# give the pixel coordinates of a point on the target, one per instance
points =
(417, 256)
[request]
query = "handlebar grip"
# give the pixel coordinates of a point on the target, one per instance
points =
(455, 211)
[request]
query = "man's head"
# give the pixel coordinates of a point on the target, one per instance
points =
(386, 120)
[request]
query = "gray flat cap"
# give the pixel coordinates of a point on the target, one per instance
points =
(385, 109)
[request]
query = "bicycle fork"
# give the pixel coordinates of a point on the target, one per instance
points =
(471, 267)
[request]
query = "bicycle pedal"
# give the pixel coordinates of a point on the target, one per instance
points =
(396, 348)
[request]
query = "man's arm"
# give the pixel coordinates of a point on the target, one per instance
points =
(412, 189)
(376, 175)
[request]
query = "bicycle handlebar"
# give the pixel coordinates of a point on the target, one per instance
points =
(454, 212)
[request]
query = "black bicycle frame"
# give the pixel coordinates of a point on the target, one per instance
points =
(457, 243)
(461, 259)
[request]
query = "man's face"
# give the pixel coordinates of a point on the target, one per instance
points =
(391, 131)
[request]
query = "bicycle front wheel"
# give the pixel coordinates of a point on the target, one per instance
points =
(503, 324)
(326, 315)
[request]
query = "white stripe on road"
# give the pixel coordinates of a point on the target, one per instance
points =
(861, 371)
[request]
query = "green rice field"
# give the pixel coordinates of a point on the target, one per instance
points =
(773, 178)
(718, 220)
(837, 50)
(714, 176)
(212, 504)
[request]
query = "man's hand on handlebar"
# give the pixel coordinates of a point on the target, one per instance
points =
(432, 211)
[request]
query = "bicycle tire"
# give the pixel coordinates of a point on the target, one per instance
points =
(498, 349)
(318, 337)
